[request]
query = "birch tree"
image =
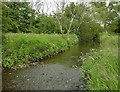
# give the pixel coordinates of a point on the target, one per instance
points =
(60, 16)
(60, 6)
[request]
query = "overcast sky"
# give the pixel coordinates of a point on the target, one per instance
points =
(50, 5)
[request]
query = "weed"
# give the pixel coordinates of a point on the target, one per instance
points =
(102, 65)
(24, 48)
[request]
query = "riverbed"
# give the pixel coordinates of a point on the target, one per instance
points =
(61, 72)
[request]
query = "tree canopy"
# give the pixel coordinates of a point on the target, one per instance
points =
(84, 19)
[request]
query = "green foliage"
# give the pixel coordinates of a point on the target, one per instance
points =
(87, 20)
(17, 17)
(108, 15)
(46, 24)
(83, 25)
(101, 66)
(23, 48)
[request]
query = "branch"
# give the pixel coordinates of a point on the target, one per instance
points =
(72, 18)
(59, 24)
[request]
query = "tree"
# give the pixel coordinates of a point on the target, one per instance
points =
(107, 15)
(17, 17)
(83, 23)
(46, 24)
(64, 22)
(59, 15)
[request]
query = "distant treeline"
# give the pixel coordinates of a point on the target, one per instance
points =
(87, 21)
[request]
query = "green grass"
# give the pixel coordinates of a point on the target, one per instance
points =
(22, 48)
(101, 66)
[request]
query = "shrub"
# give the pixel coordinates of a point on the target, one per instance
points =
(21, 48)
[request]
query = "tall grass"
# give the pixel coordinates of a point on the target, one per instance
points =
(100, 67)
(23, 48)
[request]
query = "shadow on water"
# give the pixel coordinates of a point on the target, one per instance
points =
(61, 72)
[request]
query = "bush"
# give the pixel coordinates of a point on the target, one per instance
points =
(21, 48)
(46, 24)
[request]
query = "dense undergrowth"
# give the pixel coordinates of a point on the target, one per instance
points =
(100, 67)
(24, 48)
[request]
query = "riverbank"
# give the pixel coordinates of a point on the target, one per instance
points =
(56, 73)
(100, 67)
(22, 48)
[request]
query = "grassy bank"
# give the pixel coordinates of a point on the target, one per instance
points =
(101, 66)
(24, 48)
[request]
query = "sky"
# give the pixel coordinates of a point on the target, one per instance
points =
(50, 5)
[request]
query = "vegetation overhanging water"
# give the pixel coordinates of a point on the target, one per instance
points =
(32, 34)
(64, 68)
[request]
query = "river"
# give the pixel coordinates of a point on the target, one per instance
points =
(61, 72)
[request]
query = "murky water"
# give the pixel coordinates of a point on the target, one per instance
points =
(61, 72)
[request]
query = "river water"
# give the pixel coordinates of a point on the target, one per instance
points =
(61, 72)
